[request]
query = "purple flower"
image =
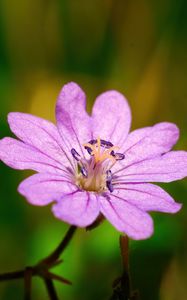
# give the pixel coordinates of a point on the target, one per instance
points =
(92, 165)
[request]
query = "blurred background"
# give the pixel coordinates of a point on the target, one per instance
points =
(136, 47)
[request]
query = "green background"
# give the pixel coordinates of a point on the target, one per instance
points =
(136, 47)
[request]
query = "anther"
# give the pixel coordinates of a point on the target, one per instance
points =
(92, 142)
(75, 154)
(104, 143)
(119, 156)
(109, 180)
(84, 171)
(88, 149)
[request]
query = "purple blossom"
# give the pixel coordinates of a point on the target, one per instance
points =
(91, 165)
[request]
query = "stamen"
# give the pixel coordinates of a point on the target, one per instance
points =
(95, 174)
(92, 142)
(117, 155)
(94, 149)
(90, 146)
(84, 171)
(109, 180)
(88, 149)
(109, 150)
(106, 144)
(75, 154)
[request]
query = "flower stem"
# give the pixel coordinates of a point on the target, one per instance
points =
(53, 257)
(42, 269)
(28, 283)
(51, 289)
(122, 285)
(12, 275)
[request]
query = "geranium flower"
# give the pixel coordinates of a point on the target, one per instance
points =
(91, 165)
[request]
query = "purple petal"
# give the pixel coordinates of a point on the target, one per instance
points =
(80, 209)
(20, 156)
(39, 133)
(126, 217)
(149, 142)
(72, 119)
(41, 189)
(147, 197)
(166, 168)
(111, 117)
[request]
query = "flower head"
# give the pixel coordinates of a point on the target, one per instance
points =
(92, 165)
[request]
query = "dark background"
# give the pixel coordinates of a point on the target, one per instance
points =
(136, 47)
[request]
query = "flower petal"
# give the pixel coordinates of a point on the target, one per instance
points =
(149, 142)
(80, 209)
(41, 189)
(72, 119)
(20, 156)
(166, 168)
(126, 217)
(39, 133)
(147, 197)
(111, 117)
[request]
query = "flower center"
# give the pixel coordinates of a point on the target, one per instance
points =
(94, 174)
